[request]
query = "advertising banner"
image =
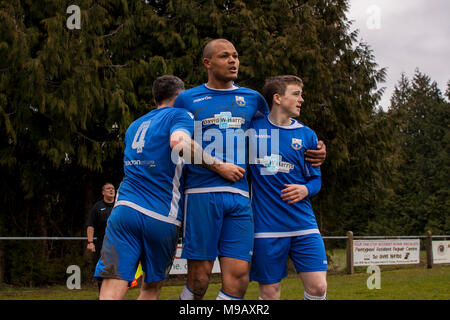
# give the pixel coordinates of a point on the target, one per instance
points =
(386, 252)
(441, 251)
(179, 265)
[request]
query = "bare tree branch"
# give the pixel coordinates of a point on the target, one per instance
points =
(114, 32)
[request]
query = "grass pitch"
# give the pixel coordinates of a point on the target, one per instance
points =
(402, 283)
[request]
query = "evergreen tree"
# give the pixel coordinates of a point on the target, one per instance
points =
(68, 96)
(420, 200)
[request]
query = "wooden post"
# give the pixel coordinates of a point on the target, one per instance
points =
(429, 249)
(350, 268)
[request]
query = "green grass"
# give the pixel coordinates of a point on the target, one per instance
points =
(405, 283)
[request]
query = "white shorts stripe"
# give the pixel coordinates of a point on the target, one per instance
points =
(286, 234)
(147, 212)
(217, 189)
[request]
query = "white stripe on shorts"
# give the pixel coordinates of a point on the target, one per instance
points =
(147, 212)
(217, 189)
(286, 234)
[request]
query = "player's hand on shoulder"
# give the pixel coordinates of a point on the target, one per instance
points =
(317, 157)
(179, 138)
(294, 193)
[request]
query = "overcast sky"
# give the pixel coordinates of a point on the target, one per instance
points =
(405, 35)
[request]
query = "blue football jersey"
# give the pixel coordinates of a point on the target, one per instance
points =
(222, 118)
(277, 158)
(152, 182)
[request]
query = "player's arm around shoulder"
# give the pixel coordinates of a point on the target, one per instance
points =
(183, 145)
(180, 139)
(316, 156)
(182, 130)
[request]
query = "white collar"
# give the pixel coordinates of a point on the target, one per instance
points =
(294, 125)
(233, 87)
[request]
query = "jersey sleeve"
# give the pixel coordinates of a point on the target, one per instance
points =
(313, 185)
(183, 120)
(311, 143)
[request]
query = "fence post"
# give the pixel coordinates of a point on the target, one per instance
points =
(429, 249)
(350, 268)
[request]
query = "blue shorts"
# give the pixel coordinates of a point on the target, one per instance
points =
(268, 266)
(217, 224)
(131, 237)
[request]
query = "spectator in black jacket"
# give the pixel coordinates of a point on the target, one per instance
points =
(98, 217)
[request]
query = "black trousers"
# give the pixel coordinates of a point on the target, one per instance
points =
(98, 248)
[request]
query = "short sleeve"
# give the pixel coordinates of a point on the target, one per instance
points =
(182, 120)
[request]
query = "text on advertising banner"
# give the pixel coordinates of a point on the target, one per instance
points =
(385, 252)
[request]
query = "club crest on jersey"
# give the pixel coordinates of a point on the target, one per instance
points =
(240, 101)
(296, 143)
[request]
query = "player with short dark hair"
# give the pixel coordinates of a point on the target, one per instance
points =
(144, 222)
(167, 87)
(282, 184)
(218, 217)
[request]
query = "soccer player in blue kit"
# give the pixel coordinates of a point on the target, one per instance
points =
(144, 222)
(282, 184)
(218, 219)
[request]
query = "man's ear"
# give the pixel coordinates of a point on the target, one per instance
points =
(277, 98)
(206, 63)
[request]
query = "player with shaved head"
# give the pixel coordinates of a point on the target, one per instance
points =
(218, 219)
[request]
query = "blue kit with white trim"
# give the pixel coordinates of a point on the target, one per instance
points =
(277, 159)
(143, 224)
(222, 118)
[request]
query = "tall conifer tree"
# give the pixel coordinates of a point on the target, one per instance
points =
(420, 197)
(67, 96)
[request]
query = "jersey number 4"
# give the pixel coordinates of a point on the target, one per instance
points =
(139, 137)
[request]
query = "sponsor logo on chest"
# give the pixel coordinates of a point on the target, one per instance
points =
(273, 164)
(202, 99)
(224, 120)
